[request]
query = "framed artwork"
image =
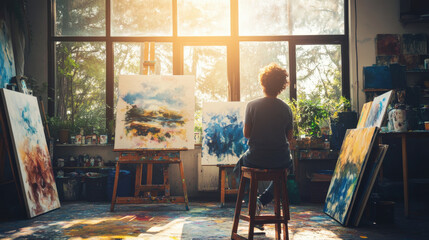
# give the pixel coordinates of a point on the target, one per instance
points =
(31, 152)
(350, 166)
(378, 110)
(223, 140)
(7, 61)
(364, 114)
(155, 112)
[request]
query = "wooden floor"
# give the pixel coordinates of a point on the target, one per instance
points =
(204, 220)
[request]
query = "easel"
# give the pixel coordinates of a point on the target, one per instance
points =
(225, 189)
(149, 157)
(4, 147)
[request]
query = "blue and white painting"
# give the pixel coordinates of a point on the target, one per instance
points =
(155, 112)
(223, 139)
(7, 62)
(378, 110)
(31, 152)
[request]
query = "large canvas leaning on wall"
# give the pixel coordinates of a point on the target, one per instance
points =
(155, 112)
(223, 140)
(351, 162)
(7, 62)
(31, 152)
(378, 110)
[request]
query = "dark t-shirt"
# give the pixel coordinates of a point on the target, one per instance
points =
(270, 119)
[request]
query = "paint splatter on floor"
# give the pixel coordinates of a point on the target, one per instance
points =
(204, 220)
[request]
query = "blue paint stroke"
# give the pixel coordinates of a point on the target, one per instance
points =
(224, 136)
(376, 113)
(131, 98)
(25, 115)
(170, 97)
(7, 62)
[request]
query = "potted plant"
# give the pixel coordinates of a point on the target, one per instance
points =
(60, 129)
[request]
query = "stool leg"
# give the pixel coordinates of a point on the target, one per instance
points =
(252, 205)
(277, 206)
(285, 208)
(238, 206)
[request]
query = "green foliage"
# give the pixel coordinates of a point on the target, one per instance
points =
(308, 114)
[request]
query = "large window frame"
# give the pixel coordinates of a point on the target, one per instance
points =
(231, 42)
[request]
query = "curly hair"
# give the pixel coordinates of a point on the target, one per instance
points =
(273, 79)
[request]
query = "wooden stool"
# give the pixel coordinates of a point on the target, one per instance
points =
(279, 178)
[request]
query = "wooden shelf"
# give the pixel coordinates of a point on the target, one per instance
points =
(82, 167)
(84, 145)
(376, 90)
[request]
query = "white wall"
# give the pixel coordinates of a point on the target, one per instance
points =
(373, 17)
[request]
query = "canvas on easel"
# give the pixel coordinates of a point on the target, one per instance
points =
(31, 152)
(155, 112)
(350, 166)
(223, 140)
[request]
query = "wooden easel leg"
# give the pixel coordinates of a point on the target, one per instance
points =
(115, 188)
(222, 187)
(149, 174)
(166, 181)
(138, 181)
(185, 191)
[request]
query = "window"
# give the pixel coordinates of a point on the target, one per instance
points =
(223, 42)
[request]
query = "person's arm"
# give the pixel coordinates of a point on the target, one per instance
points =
(247, 130)
(291, 139)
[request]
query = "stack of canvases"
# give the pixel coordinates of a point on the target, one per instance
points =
(358, 164)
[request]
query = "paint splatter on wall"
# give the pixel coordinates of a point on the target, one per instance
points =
(223, 139)
(155, 112)
(31, 152)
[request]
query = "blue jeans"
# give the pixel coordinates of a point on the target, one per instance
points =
(248, 160)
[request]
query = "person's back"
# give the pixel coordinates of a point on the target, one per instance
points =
(268, 125)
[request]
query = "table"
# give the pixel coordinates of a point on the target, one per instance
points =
(404, 136)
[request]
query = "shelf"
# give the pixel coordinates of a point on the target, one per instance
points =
(82, 167)
(376, 90)
(84, 145)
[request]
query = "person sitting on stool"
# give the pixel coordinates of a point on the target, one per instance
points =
(268, 126)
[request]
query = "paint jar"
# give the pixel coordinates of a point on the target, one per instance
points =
(427, 125)
(397, 120)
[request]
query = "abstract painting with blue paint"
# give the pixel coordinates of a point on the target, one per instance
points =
(155, 112)
(223, 139)
(31, 152)
(7, 62)
(378, 110)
